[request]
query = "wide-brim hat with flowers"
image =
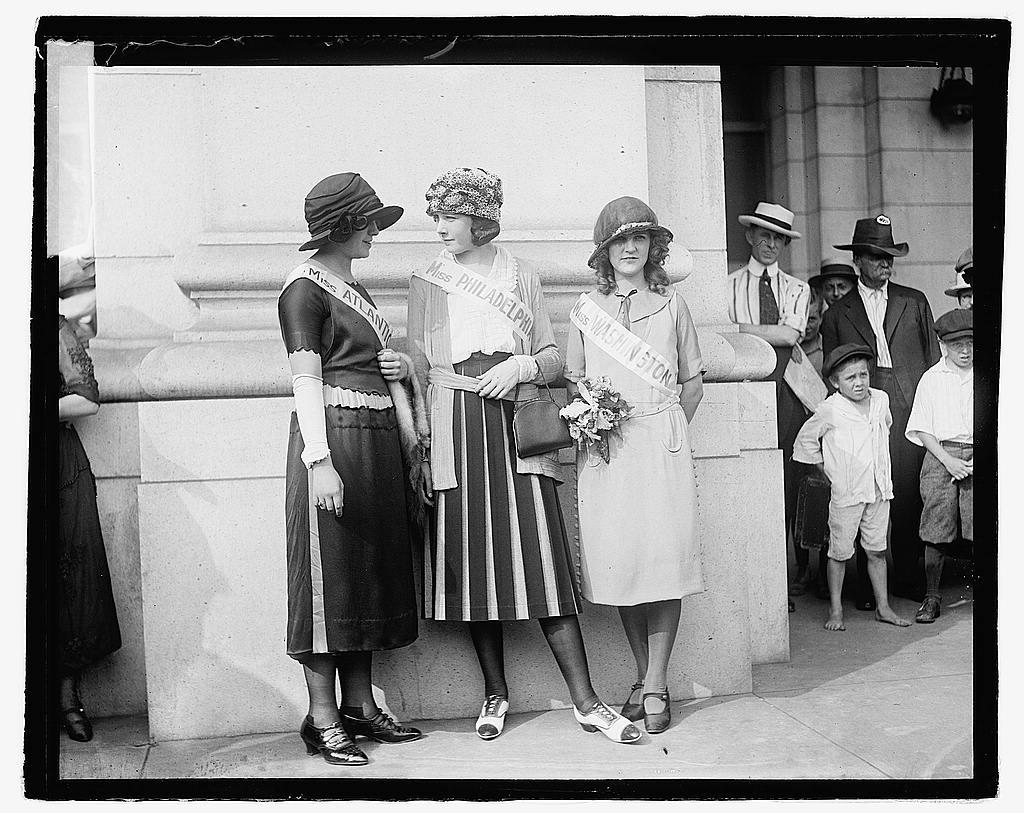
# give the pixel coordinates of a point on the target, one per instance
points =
(346, 193)
(773, 217)
(875, 233)
(466, 191)
(621, 217)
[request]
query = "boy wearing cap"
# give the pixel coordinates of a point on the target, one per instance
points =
(942, 420)
(835, 280)
(847, 437)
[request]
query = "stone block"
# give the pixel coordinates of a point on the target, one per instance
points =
(909, 125)
(936, 234)
(138, 299)
(838, 85)
(842, 181)
(840, 130)
(682, 73)
(913, 178)
(714, 427)
(756, 406)
(908, 82)
(111, 440)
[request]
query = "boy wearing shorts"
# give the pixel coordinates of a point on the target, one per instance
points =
(942, 420)
(847, 437)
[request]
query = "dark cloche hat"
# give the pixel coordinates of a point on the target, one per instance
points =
(343, 194)
(955, 325)
(843, 353)
(624, 216)
(875, 233)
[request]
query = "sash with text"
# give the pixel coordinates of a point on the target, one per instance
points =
(627, 348)
(345, 293)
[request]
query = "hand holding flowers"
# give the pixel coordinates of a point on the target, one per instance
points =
(595, 413)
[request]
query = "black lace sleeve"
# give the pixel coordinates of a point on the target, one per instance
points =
(302, 310)
(76, 374)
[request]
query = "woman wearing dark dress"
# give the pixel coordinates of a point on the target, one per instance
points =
(350, 577)
(480, 336)
(88, 619)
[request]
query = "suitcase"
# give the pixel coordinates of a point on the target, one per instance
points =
(810, 529)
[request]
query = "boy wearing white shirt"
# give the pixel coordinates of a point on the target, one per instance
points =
(847, 437)
(942, 420)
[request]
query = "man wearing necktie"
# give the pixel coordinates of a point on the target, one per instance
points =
(896, 321)
(767, 302)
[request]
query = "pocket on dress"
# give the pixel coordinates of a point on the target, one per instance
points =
(676, 437)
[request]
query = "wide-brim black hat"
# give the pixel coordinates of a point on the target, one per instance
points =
(843, 353)
(875, 233)
(346, 193)
(833, 267)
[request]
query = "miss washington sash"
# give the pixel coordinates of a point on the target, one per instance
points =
(627, 348)
(344, 292)
(455, 279)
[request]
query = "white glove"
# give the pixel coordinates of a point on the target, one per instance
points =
(309, 407)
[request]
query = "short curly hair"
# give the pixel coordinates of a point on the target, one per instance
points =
(483, 230)
(654, 271)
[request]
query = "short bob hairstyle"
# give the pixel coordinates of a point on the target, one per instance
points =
(483, 230)
(654, 271)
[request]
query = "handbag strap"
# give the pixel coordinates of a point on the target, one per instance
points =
(515, 395)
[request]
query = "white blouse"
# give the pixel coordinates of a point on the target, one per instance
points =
(476, 328)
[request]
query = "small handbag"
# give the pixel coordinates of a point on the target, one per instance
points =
(538, 428)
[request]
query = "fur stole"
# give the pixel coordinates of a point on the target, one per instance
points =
(414, 431)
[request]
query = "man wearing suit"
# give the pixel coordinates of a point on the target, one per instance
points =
(896, 322)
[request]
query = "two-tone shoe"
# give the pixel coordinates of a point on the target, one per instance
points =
(610, 723)
(491, 721)
(380, 727)
(332, 743)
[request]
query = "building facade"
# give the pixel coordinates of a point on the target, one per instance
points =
(197, 181)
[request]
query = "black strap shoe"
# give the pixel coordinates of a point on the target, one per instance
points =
(77, 723)
(380, 727)
(332, 743)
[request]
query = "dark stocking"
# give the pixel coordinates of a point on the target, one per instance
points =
(566, 642)
(321, 671)
(934, 558)
(490, 651)
(354, 673)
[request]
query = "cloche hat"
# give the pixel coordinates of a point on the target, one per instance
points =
(343, 194)
(621, 217)
(466, 191)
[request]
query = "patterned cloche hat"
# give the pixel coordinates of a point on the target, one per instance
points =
(621, 217)
(466, 191)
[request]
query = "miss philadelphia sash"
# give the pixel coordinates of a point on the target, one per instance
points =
(344, 292)
(627, 348)
(455, 279)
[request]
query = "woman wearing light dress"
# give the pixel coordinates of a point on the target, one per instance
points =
(638, 512)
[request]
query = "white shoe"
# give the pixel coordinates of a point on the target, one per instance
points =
(492, 717)
(610, 723)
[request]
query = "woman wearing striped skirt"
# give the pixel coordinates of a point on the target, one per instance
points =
(481, 339)
(350, 578)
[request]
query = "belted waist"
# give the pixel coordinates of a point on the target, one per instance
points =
(957, 444)
(646, 412)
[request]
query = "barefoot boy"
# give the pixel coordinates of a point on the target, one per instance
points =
(848, 438)
(942, 420)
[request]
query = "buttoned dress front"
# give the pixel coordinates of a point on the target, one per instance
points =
(638, 512)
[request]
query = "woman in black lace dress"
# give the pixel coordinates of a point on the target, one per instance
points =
(88, 626)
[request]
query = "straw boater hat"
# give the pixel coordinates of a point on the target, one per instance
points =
(624, 216)
(343, 194)
(834, 267)
(875, 233)
(773, 217)
(965, 264)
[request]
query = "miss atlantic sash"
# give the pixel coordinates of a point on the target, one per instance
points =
(455, 279)
(625, 347)
(344, 292)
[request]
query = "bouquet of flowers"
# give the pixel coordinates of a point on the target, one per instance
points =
(595, 413)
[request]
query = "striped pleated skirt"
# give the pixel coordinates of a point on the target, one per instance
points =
(497, 549)
(350, 578)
